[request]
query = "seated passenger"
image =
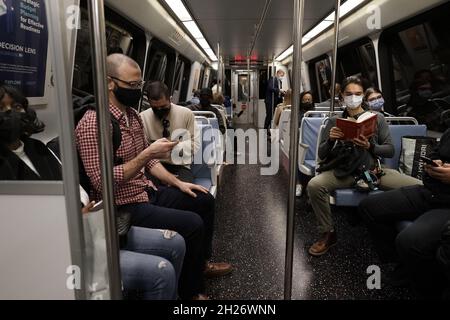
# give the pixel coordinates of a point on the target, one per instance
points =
(327, 104)
(287, 103)
(183, 207)
(348, 159)
(206, 100)
(195, 98)
(421, 107)
(33, 161)
(415, 248)
(374, 100)
(21, 157)
(306, 103)
(163, 120)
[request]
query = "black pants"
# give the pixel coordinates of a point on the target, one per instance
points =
(192, 218)
(184, 174)
(269, 116)
(416, 246)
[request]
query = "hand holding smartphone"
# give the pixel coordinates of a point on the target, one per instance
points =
(429, 161)
(97, 207)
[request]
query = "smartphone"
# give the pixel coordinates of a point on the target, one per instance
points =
(428, 161)
(97, 207)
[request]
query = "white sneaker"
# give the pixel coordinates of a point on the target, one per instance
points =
(298, 191)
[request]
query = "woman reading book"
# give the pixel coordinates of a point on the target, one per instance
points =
(343, 159)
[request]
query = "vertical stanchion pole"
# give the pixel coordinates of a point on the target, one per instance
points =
(335, 53)
(98, 50)
(293, 152)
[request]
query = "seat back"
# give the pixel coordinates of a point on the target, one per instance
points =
(397, 133)
(205, 156)
(206, 114)
(284, 127)
(309, 133)
(401, 121)
(201, 120)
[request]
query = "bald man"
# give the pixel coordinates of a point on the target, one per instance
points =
(182, 207)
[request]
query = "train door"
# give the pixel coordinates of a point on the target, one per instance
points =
(245, 87)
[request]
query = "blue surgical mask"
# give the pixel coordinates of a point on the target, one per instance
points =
(425, 94)
(377, 105)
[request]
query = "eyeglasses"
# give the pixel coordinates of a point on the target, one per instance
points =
(166, 126)
(132, 84)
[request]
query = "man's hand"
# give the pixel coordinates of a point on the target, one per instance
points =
(336, 134)
(441, 173)
(362, 142)
(87, 209)
(189, 188)
(160, 149)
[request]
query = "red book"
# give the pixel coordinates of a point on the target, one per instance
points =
(366, 125)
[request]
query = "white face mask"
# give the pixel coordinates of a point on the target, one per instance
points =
(353, 102)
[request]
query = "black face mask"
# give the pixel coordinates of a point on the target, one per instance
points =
(128, 97)
(31, 123)
(11, 126)
(161, 113)
(205, 102)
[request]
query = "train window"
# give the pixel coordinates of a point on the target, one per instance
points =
(161, 63)
(203, 82)
(243, 88)
(179, 70)
(323, 78)
(419, 57)
(358, 59)
(121, 37)
(157, 67)
(185, 81)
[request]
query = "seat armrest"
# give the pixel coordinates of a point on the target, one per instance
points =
(302, 150)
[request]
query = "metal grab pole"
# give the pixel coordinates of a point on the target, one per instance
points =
(98, 44)
(293, 156)
(335, 52)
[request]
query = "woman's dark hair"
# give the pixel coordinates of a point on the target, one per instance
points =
(304, 93)
(371, 91)
(352, 80)
(15, 94)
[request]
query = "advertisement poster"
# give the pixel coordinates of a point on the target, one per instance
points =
(24, 45)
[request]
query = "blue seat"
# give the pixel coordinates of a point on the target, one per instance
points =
(309, 136)
(351, 197)
(204, 164)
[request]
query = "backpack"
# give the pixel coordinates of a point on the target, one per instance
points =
(81, 106)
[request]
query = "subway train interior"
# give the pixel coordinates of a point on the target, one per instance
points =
(224, 150)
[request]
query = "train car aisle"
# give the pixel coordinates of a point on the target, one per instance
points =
(250, 234)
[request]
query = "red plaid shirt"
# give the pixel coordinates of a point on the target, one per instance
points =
(133, 143)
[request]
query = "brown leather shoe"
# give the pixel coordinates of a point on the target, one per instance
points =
(214, 270)
(328, 240)
(200, 297)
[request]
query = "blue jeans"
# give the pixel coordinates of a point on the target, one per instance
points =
(193, 218)
(151, 263)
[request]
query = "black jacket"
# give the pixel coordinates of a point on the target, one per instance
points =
(12, 168)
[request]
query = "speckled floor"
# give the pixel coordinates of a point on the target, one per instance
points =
(250, 234)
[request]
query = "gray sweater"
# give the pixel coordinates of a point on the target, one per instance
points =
(382, 141)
